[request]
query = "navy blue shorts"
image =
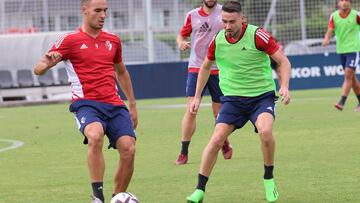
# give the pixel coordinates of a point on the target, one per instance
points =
(212, 85)
(115, 120)
(350, 60)
(237, 111)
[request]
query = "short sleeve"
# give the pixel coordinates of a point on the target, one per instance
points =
(63, 46)
(118, 54)
(186, 29)
(265, 42)
(211, 51)
(331, 22)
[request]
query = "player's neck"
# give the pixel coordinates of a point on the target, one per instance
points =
(90, 31)
(208, 10)
(345, 12)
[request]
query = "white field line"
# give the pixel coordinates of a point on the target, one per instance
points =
(176, 106)
(14, 144)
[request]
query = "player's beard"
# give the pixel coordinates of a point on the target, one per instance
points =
(209, 6)
(232, 34)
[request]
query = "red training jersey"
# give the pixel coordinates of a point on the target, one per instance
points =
(90, 65)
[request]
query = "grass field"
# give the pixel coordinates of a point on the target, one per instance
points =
(317, 156)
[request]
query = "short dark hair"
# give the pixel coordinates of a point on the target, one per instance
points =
(232, 7)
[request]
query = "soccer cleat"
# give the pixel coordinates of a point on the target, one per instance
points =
(227, 150)
(182, 159)
(196, 197)
(339, 106)
(358, 108)
(270, 190)
(95, 200)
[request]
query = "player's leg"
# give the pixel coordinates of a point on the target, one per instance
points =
(216, 94)
(121, 134)
(264, 125)
(348, 62)
(263, 119)
(356, 89)
(188, 124)
(209, 155)
(126, 148)
(356, 84)
(90, 119)
(94, 133)
(208, 159)
(346, 87)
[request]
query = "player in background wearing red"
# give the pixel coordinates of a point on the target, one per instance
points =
(201, 24)
(94, 64)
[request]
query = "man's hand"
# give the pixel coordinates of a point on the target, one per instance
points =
(48, 61)
(285, 95)
(325, 42)
(133, 114)
(194, 106)
(183, 45)
(52, 58)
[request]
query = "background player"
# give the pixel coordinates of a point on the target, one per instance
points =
(345, 21)
(203, 23)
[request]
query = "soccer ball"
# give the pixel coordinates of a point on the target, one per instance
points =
(124, 197)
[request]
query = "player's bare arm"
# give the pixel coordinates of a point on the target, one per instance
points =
(327, 36)
(203, 77)
(48, 61)
(183, 42)
(124, 79)
(284, 68)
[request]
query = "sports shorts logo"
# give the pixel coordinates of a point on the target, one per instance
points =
(270, 108)
(83, 120)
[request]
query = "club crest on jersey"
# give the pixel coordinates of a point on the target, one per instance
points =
(108, 45)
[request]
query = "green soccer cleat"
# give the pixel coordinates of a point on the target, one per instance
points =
(270, 190)
(196, 197)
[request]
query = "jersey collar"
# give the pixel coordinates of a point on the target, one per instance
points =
(234, 41)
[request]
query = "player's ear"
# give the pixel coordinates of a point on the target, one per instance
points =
(84, 9)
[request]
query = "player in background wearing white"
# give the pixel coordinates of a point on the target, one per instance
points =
(94, 63)
(201, 24)
(346, 24)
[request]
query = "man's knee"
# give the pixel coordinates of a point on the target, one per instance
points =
(349, 74)
(127, 151)
(95, 136)
(266, 135)
(190, 116)
(216, 142)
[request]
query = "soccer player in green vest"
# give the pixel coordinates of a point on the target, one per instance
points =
(345, 22)
(242, 52)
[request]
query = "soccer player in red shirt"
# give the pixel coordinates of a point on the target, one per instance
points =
(94, 64)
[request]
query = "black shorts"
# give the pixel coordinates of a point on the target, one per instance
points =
(238, 111)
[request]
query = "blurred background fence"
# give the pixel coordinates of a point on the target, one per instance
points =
(148, 29)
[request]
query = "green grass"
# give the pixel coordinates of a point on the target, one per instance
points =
(317, 155)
